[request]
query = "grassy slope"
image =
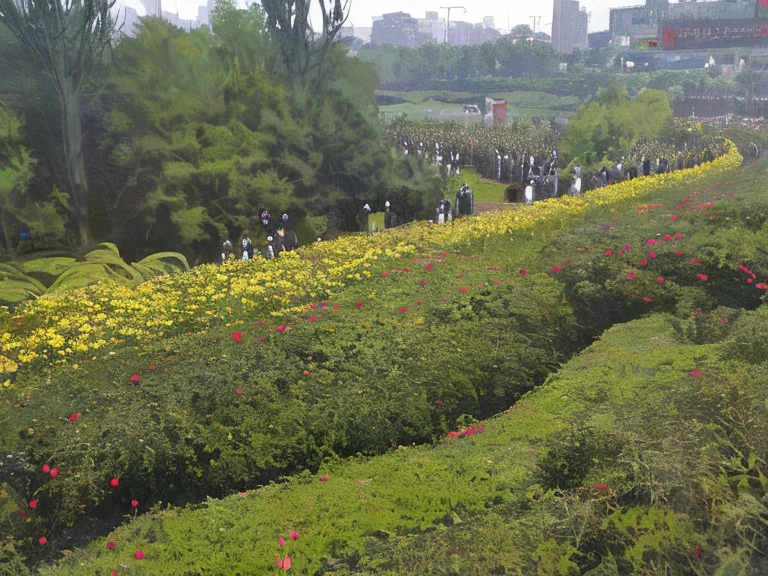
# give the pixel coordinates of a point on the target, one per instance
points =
(484, 191)
(412, 489)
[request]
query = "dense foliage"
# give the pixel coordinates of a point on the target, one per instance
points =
(226, 400)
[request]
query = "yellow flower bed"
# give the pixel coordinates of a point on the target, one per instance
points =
(89, 319)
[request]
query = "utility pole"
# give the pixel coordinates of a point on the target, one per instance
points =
(536, 19)
(448, 20)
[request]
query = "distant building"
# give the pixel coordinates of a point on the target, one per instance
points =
(397, 29)
(569, 27)
(129, 22)
(488, 22)
(599, 39)
(362, 33)
(432, 27)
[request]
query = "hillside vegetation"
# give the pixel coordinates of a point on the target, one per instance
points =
(643, 455)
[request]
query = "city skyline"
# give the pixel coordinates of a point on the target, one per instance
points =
(363, 11)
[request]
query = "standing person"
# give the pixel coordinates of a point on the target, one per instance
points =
(244, 243)
(250, 246)
(465, 205)
(529, 193)
(266, 219)
(226, 250)
(284, 220)
(388, 216)
(646, 166)
(270, 247)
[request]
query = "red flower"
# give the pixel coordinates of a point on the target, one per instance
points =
(423, 283)
(568, 261)
(238, 391)
(306, 372)
(42, 540)
(556, 269)
(323, 478)
(667, 237)
(134, 503)
(153, 367)
(600, 486)
(678, 254)
(439, 402)
(383, 274)
(139, 555)
(695, 373)
(74, 416)
(644, 262)
(33, 504)
(312, 319)
(673, 217)
(208, 415)
(134, 378)
(113, 573)
(419, 302)
(443, 254)
(749, 280)
(54, 472)
(646, 299)
(630, 276)
(702, 277)
(621, 251)
(260, 323)
(359, 305)
(463, 290)
(402, 310)
(262, 338)
(627, 247)
(237, 336)
(46, 468)
(762, 286)
(22, 512)
(660, 280)
(429, 266)
(280, 328)
(294, 535)
(695, 262)
(110, 545)
(496, 282)
(697, 550)
(609, 252)
(523, 272)
(281, 540)
(678, 236)
(725, 320)
(115, 482)
(651, 242)
(335, 307)
(652, 255)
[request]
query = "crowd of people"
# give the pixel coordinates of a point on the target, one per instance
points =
(280, 238)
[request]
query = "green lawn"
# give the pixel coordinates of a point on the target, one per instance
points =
(484, 191)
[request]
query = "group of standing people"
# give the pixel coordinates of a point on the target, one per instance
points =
(280, 238)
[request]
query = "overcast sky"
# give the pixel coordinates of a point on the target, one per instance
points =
(518, 10)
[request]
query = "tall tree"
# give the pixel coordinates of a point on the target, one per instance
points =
(302, 50)
(68, 38)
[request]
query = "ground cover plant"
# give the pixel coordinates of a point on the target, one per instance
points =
(453, 327)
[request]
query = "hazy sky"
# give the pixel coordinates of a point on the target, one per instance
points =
(519, 10)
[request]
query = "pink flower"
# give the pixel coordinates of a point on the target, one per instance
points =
(54, 472)
(667, 237)
(260, 323)
(695, 373)
(673, 217)
(46, 468)
(652, 255)
(419, 302)
(496, 282)
(135, 378)
(324, 478)
(312, 319)
(630, 276)
(115, 482)
(678, 236)
(74, 416)
(702, 277)
(238, 391)
(281, 540)
(359, 305)
(725, 320)
(644, 262)
(568, 261)
(294, 535)
(749, 280)
(609, 252)
(423, 283)
(33, 504)
(306, 372)
(651, 242)
(42, 540)
(429, 266)
(646, 299)
(262, 338)
(695, 262)
(523, 272)
(134, 503)
(280, 328)
(443, 254)
(762, 286)
(660, 280)
(335, 307)
(403, 310)
(600, 486)
(110, 545)
(139, 555)
(237, 336)
(556, 269)
(627, 247)
(384, 274)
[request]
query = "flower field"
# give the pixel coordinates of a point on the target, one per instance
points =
(310, 375)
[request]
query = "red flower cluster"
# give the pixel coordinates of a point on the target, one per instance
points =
(472, 430)
(237, 336)
(74, 416)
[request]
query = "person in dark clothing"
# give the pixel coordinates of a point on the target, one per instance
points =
(646, 167)
(465, 205)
